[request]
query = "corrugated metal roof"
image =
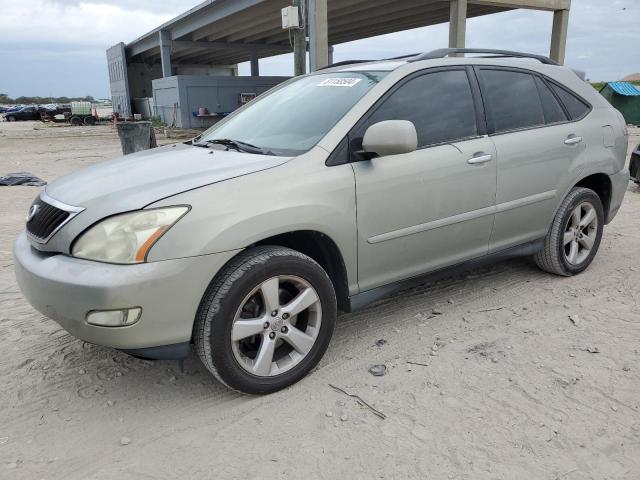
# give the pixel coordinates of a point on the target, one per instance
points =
(625, 88)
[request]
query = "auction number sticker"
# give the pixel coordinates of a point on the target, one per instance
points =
(339, 82)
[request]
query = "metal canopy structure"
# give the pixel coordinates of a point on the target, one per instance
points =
(226, 32)
(216, 35)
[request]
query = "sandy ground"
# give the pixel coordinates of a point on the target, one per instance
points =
(513, 389)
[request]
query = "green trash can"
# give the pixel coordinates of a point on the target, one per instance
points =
(136, 136)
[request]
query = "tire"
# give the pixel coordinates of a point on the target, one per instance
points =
(11, 119)
(89, 121)
(234, 299)
(75, 121)
(558, 256)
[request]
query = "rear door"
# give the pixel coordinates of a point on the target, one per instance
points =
(536, 147)
(433, 207)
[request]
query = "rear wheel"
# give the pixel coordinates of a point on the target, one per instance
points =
(11, 119)
(75, 121)
(266, 320)
(90, 121)
(575, 234)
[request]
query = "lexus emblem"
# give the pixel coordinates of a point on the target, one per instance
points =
(33, 211)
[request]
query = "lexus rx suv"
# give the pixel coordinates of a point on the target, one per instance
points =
(326, 193)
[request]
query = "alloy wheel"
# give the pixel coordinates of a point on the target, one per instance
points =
(276, 326)
(580, 233)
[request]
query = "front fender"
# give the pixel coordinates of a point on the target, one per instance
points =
(302, 194)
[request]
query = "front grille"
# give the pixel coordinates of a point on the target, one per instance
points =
(46, 219)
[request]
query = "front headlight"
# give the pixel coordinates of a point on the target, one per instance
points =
(126, 238)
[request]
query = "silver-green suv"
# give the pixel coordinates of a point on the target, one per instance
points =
(328, 192)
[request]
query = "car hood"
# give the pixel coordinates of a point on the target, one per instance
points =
(134, 181)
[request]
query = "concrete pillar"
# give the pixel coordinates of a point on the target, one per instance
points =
(457, 23)
(318, 34)
(559, 35)
(255, 64)
(165, 53)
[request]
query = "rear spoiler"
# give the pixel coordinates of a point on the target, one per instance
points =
(580, 73)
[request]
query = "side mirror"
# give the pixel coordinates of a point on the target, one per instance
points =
(391, 137)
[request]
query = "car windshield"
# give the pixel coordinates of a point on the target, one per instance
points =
(294, 118)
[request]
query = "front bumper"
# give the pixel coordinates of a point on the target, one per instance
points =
(619, 184)
(65, 289)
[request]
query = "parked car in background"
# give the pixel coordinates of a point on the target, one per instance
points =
(38, 112)
(14, 108)
(24, 113)
(328, 192)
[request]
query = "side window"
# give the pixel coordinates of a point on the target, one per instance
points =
(512, 99)
(553, 112)
(440, 105)
(576, 107)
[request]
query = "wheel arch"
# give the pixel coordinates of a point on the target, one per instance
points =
(321, 248)
(601, 184)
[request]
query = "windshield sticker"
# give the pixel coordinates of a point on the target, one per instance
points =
(339, 82)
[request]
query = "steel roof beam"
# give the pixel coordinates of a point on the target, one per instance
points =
(222, 56)
(399, 24)
(185, 44)
(550, 5)
(203, 19)
(243, 20)
(143, 45)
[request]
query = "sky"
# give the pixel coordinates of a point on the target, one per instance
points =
(57, 47)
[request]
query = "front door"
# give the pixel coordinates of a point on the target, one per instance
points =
(431, 208)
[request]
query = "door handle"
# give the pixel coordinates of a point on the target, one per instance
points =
(480, 158)
(572, 140)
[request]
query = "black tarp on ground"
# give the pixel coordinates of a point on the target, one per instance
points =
(21, 178)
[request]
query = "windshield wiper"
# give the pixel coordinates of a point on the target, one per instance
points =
(236, 145)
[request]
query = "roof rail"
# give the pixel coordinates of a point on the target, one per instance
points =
(403, 57)
(445, 52)
(345, 62)
(351, 62)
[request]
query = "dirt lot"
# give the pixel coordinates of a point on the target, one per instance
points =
(513, 389)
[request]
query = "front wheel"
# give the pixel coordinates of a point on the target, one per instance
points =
(575, 234)
(266, 320)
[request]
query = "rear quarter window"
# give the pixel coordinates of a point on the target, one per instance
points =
(553, 111)
(576, 107)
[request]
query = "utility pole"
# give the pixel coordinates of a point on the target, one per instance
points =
(300, 40)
